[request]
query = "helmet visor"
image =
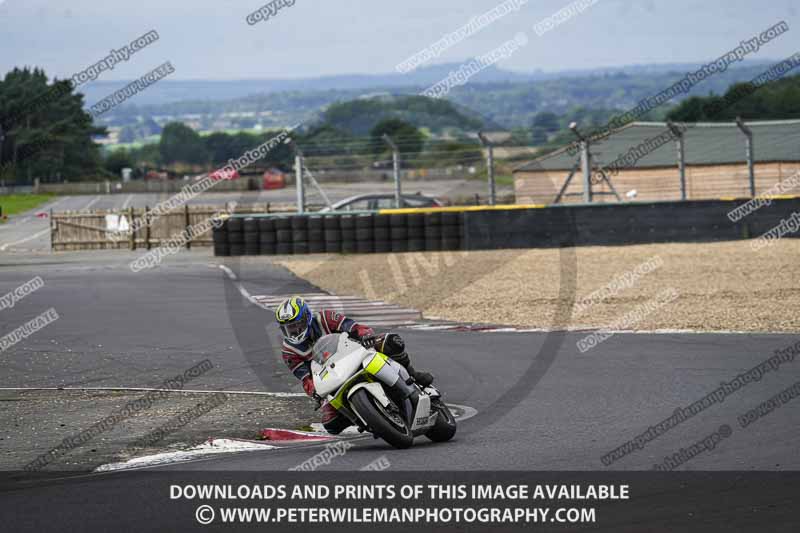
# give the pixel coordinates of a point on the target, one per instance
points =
(295, 331)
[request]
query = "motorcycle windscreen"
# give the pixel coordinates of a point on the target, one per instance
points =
(334, 345)
(326, 346)
(336, 358)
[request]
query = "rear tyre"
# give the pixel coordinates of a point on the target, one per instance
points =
(445, 427)
(388, 425)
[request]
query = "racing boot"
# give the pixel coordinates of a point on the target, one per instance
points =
(423, 379)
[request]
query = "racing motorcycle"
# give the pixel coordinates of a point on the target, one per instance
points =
(376, 393)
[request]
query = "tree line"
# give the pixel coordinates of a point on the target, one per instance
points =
(45, 131)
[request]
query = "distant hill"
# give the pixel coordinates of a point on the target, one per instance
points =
(498, 98)
(169, 91)
(359, 116)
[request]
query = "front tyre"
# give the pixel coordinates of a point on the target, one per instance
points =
(445, 427)
(387, 423)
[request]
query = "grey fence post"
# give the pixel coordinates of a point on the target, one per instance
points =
(586, 167)
(396, 164)
(298, 176)
(586, 163)
(748, 134)
(679, 143)
(489, 167)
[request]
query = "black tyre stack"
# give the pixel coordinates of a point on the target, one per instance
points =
(351, 233)
(333, 234)
(433, 231)
(299, 225)
(451, 231)
(347, 224)
(382, 236)
(398, 228)
(251, 240)
(236, 236)
(365, 233)
(283, 236)
(267, 236)
(416, 232)
(316, 234)
(220, 238)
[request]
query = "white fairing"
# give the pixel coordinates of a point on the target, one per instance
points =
(376, 391)
(343, 360)
(423, 417)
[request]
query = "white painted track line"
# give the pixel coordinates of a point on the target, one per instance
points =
(36, 235)
(148, 389)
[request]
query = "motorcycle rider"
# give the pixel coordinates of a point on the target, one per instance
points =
(301, 328)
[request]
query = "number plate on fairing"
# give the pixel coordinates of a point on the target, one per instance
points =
(423, 416)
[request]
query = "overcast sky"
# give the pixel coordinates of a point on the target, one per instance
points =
(210, 39)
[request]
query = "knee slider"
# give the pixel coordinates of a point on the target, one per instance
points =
(336, 425)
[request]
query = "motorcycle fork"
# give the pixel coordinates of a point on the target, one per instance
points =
(396, 379)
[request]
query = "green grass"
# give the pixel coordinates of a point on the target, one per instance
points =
(504, 179)
(499, 179)
(17, 203)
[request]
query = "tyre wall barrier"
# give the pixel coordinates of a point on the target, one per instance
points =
(497, 227)
(361, 232)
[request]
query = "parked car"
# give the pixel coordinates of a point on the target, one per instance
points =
(371, 202)
(224, 174)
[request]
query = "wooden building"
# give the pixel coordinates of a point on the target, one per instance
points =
(641, 162)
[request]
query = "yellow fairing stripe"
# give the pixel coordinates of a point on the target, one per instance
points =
(338, 401)
(376, 364)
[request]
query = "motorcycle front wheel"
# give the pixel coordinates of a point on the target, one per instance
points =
(387, 423)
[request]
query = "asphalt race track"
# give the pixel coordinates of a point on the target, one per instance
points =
(551, 409)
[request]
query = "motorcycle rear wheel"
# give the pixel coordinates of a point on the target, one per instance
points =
(445, 426)
(378, 420)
